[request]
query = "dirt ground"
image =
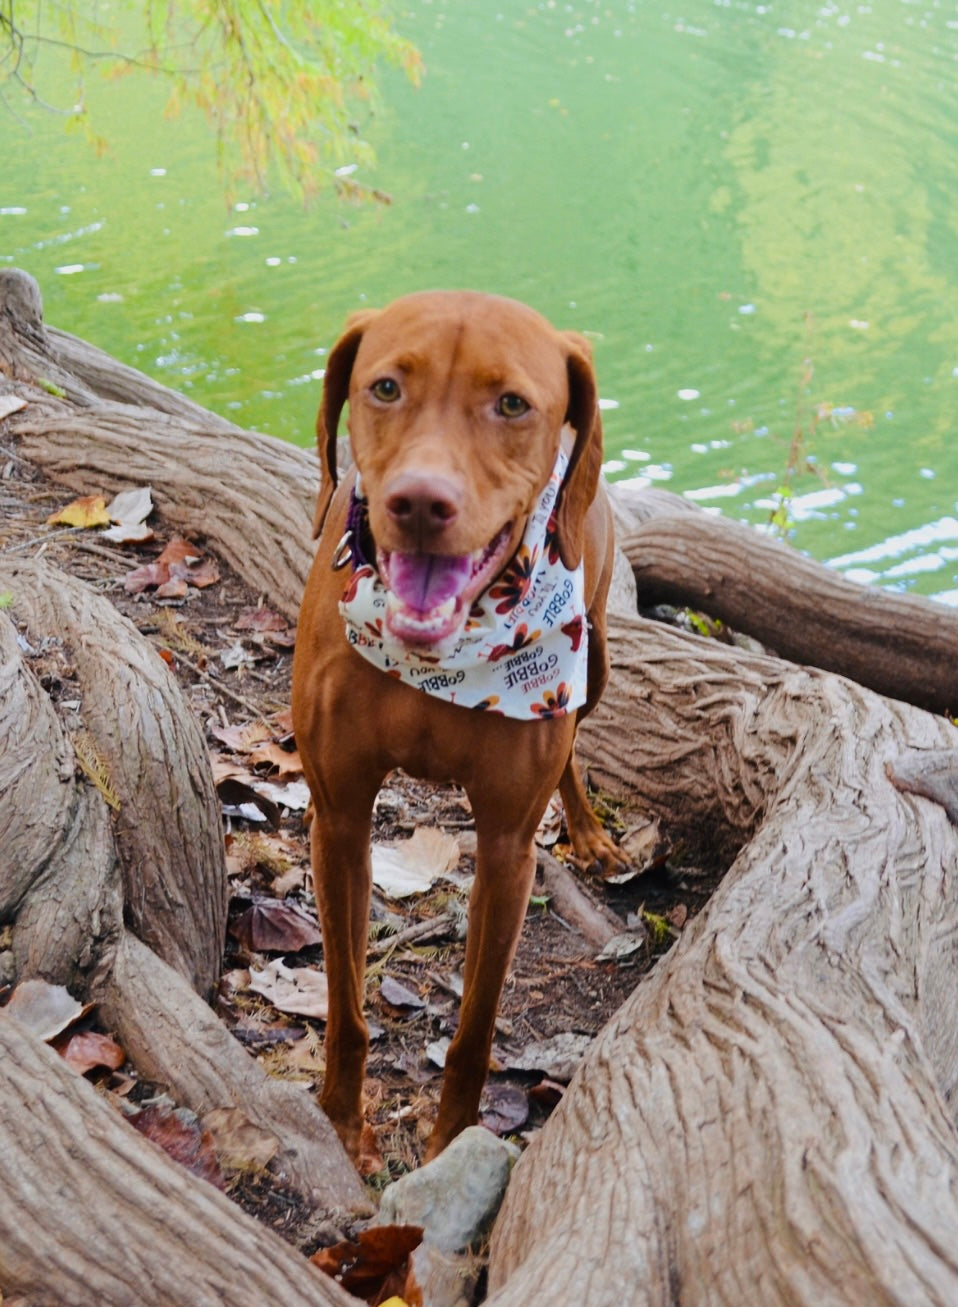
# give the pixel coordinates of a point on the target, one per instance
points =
(232, 659)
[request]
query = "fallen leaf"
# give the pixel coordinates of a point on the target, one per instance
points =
(275, 926)
(375, 1263)
(128, 512)
(275, 756)
(290, 794)
(302, 991)
(550, 827)
(242, 739)
(178, 550)
(504, 1109)
(88, 1049)
(677, 916)
(642, 848)
(437, 1050)
(398, 995)
(239, 789)
(87, 511)
(174, 588)
(181, 1137)
(284, 720)
(43, 1008)
(260, 619)
(556, 1058)
(412, 866)
(145, 576)
(547, 1092)
(131, 507)
(621, 948)
(201, 574)
(180, 564)
(240, 1144)
(238, 655)
(11, 404)
(128, 533)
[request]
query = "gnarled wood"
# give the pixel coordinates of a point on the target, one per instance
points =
(771, 1117)
(128, 907)
(895, 644)
(166, 844)
(94, 1215)
(176, 1040)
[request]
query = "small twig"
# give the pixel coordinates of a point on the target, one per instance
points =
(252, 708)
(419, 931)
(112, 555)
(39, 540)
(570, 901)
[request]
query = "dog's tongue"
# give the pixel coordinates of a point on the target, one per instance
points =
(424, 581)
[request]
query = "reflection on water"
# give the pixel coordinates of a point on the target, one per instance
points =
(751, 215)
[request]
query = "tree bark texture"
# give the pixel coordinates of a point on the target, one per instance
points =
(164, 844)
(94, 1215)
(771, 1116)
(128, 907)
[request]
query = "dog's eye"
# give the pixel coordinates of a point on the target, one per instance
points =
(386, 389)
(511, 406)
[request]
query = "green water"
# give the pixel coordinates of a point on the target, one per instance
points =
(752, 210)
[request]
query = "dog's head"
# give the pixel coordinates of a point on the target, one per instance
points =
(457, 403)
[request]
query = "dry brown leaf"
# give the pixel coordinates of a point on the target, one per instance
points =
(178, 550)
(182, 1139)
(275, 926)
(397, 995)
(412, 866)
(284, 762)
(45, 1009)
(240, 1144)
(87, 511)
(375, 1265)
(302, 991)
(370, 1160)
(242, 739)
(88, 1049)
(504, 1109)
(260, 619)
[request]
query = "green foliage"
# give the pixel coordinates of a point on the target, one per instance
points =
(6, 599)
(284, 84)
(660, 932)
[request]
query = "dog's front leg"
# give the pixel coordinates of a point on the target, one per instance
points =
(505, 869)
(342, 879)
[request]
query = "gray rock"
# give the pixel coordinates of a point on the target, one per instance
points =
(454, 1197)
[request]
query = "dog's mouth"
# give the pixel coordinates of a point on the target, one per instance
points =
(428, 596)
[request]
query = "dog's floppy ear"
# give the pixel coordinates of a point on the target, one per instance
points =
(339, 367)
(581, 480)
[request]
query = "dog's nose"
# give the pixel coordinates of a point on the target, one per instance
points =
(423, 506)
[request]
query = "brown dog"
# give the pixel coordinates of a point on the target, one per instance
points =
(458, 405)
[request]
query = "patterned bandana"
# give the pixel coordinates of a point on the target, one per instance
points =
(524, 649)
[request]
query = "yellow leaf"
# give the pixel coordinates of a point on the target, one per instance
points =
(88, 510)
(395, 1302)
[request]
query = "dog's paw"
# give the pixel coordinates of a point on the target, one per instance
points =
(597, 853)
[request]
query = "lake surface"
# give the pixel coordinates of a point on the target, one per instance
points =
(751, 209)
